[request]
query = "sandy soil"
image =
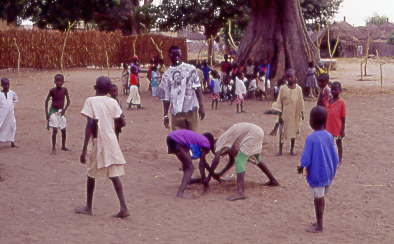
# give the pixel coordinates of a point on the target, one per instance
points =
(41, 190)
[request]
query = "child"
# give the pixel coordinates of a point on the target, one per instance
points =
(215, 89)
(325, 92)
(121, 123)
(55, 117)
(336, 116)
(290, 104)
(105, 158)
(205, 70)
(8, 99)
(188, 145)
(125, 79)
(241, 142)
(310, 81)
(154, 82)
(320, 160)
(240, 92)
(134, 96)
(252, 89)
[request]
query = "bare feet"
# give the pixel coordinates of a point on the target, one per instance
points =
(271, 183)
(236, 197)
(13, 145)
(1, 179)
(314, 229)
(293, 153)
(83, 210)
(279, 154)
(66, 149)
(53, 151)
(122, 214)
(185, 196)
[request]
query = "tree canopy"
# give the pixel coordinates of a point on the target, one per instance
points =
(319, 12)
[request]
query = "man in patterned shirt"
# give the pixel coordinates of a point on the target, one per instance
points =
(180, 91)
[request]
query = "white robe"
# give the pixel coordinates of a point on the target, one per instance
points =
(7, 116)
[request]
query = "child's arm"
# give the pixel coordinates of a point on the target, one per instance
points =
(46, 109)
(343, 127)
(89, 132)
(68, 101)
(120, 122)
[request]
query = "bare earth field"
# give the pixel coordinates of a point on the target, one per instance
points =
(40, 190)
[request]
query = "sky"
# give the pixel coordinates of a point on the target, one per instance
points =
(357, 11)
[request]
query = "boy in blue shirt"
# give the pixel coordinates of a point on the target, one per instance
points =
(319, 162)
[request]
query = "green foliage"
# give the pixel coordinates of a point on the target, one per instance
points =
(211, 14)
(319, 12)
(377, 19)
(10, 10)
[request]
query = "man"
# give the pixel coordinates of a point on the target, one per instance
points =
(180, 91)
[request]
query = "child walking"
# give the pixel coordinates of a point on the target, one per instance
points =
(105, 159)
(240, 92)
(325, 91)
(319, 162)
(336, 117)
(125, 79)
(310, 82)
(154, 83)
(56, 115)
(8, 99)
(216, 88)
(134, 95)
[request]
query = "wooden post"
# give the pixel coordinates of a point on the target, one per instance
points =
(19, 59)
(107, 59)
(70, 26)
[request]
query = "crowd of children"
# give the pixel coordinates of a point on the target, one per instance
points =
(242, 142)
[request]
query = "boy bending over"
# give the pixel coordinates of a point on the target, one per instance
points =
(242, 142)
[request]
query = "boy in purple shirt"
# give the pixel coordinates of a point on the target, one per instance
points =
(319, 162)
(188, 145)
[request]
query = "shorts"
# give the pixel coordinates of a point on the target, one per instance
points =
(188, 121)
(215, 96)
(319, 192)
(240, 161)
(56, 120)
(239, 100)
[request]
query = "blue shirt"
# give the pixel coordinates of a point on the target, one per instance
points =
(206, 70)
(320, 158)
(154, 82)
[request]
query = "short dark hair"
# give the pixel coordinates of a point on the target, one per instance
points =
(103, 84)
(59, 76)
(173, 47)
(4, 80)
(311, 64)
(324, 77)
(318, 116)
(211, 140)
(337, 83)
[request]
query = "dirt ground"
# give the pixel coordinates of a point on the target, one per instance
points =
(40, 190)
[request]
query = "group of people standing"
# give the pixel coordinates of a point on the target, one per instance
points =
(181, 92)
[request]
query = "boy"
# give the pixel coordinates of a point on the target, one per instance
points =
(121, 123)
(325, 92)
(55, 117)
(216, 87)
(320, 160)
(240, 92)
(134, 94)
(105, 157)
(8, 98)
(154, 82)
(336, 116)
(241, 142)
(188, 145)
(290, 104)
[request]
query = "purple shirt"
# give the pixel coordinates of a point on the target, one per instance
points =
(190, 139)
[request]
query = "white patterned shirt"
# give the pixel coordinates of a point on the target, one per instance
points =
(178, 86)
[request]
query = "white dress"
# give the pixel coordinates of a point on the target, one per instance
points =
(7, 116)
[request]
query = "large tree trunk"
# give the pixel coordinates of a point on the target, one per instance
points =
(277, 34)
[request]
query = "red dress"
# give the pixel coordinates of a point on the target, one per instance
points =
(336, 111)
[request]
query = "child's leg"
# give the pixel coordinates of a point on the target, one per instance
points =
(213, 102)
(54, 134)
(64, 136)
(123, 212)
(340, 149)
(90, 184)
(319, 210)
(217, 102)
(237, 108)
(292, 144)
(272, 181)
(240, 163)
(13, 144)
(280, 148)
(242, 106)
(188, 169)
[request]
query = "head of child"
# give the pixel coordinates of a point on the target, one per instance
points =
(114, 91)
(311, 65)
(215, 74)
(103, 86)
(249, 62)
(59, 80)
(290, 77)
(318, 118)
(336, 89)
(5, 84)
(125, 66)
(225, 58)
(240, 75)
(211, 140)
(175, 54)
(323, 80)
(205, 63)
(134, 69)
